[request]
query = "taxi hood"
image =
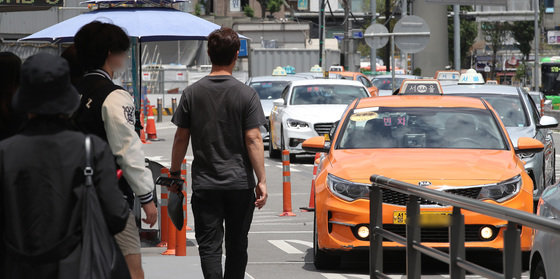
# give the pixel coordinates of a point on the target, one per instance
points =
(453, 167)
(316, 113)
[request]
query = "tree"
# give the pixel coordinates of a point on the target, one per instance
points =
(524, 34)
(469, 31)
(272, 6)
(248, 11)
(495, 34)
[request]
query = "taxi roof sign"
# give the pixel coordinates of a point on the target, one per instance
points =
(316, 69)
(491, 81)
(279, 71)
(471, 77)
(447, 75)
(421, 87)
(290, 70)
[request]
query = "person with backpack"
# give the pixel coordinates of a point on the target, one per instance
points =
(41, 173)
(108, 111)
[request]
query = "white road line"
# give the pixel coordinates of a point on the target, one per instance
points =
(285, 245)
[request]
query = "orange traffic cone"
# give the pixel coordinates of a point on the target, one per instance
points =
(142, 133)
(151, 126)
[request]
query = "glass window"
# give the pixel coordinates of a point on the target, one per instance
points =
(533, 108)
(549, 6)
(509, 108)
(365, 81)
(269, 90)
(398, 127)
(326, 94)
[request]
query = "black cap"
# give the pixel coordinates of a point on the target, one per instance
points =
(45, 87)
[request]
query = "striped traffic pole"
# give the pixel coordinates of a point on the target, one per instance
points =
(311, 206)
(286, 184)
(164, 193)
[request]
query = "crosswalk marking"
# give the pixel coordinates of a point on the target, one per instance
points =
(288, 248)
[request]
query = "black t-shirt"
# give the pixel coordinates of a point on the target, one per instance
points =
(218, 110)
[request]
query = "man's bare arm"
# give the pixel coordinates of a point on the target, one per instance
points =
(180, 146)
(255, 148)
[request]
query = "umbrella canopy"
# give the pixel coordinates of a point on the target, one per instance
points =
(146, 24)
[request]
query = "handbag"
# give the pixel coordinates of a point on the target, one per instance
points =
(100, 255)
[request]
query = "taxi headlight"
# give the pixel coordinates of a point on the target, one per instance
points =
(296, 124)
(501, 191)
(347, 190)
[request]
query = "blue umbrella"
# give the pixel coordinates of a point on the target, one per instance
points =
(143, 24)
(146, 24)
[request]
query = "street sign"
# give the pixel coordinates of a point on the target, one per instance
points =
(469, 2)
(302, 4)
(411, 43)
(376, 42)
(243, 51)
(32, 3)
(357, 34)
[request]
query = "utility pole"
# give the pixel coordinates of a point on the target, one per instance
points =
(404, 55)
(348, 64)
(322, 33)
(386, 58)
(372, 51)
(537, 39)
(456, 38)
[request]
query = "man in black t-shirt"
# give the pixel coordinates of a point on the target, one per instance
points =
(222, 116)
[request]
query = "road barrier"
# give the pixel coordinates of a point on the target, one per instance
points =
(159, 111)
(311, 206)
(151, 126)
(286, 184)
(458, 265)
(173, 105)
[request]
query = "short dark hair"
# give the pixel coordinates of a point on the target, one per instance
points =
(223, 45)
(95, 40)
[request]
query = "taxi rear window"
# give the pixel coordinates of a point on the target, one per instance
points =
(396, 127)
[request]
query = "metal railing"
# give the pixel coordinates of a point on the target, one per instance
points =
(458, 265)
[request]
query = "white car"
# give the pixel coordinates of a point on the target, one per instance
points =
(309, 108)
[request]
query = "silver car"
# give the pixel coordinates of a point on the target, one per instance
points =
(269, 89)
(546, 246)
(522, 118)
(383, 83)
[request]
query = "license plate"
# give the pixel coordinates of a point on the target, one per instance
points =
(427, 218)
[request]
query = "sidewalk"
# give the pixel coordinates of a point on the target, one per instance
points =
(157, 266)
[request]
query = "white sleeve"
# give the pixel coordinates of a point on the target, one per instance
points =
(119, 118)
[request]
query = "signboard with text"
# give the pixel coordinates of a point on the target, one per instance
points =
(235, 5)
(469, 2)
(553, 37)
(32, 3)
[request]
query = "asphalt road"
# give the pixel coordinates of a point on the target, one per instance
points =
(281, 247)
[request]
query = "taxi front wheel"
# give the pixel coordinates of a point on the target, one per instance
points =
(321, 259)
(538, 272)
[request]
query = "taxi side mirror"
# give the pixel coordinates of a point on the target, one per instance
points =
(315, 145)
(278, 102)
(547, 122)
(529, 145)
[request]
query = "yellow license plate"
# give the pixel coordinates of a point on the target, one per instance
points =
(427, 218)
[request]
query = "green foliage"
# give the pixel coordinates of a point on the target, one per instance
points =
(495, 34)
(274, 6)
(198, 9)
(523, 34)
(248, 11)
(468, 31)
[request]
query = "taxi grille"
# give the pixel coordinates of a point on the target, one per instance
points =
(472, 233)
(323, 128)
(396, 198)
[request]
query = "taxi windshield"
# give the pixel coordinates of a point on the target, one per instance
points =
(385, 83)
(326, 94)
(408, 127)
(269, 90)
(509, 108)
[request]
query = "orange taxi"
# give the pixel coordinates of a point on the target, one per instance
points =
(448, 143)
(363, 79)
